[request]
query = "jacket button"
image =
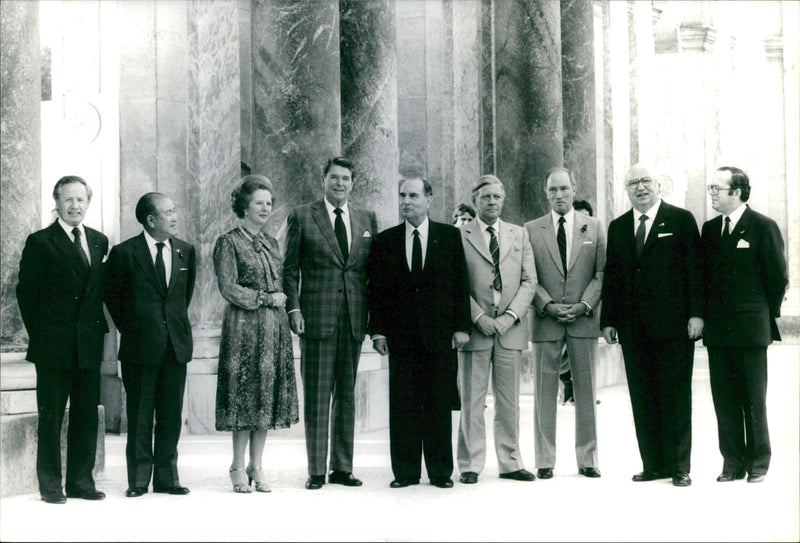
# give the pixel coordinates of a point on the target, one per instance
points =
(164, 323)
(76, 298)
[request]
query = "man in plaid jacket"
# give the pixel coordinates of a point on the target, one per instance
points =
(327, 244)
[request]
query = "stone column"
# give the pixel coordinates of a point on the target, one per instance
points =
(295, 89)
(578, 70)
(527, 101)
(20, 153)
(369, 103)
(790, 11)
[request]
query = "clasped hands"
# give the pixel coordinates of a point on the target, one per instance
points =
(565, 313)
(499, 326)
(382, 347)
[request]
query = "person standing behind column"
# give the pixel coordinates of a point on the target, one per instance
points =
(149, 285)
(325, 281)
(419, 315)
(60, 296)
(745, 279)
(653, 305)
(570, 252)
(502, 278)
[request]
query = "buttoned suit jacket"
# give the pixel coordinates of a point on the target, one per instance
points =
(146, 314)
(60, 301)
(316, 277)
(745, 281)
(517, 272)
(652, 296)
(583, 280)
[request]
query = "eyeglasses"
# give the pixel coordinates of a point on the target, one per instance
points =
(644, 181)
(713, 190)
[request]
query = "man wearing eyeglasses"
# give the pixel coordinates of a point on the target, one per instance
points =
(741, 247)
(652, 304)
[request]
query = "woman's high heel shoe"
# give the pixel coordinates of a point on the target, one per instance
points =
(240, 483)
(255, 475)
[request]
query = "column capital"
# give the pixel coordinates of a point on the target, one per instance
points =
(773, 47)
(696, 38)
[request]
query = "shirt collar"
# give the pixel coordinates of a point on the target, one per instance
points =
(736, 215)
(569, 217)
(483, 226)
(151, 241)
(330, 207)
(68, 229)
(651, 213)
(422, 228)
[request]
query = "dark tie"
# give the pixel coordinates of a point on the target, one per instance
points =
(494, 249)
(561, 238)
(640, 234)
(416, 254)
(76, 232)
(726, 232)
(161, 269)
(341, 232)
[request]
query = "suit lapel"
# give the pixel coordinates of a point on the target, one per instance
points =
(506, 239)
(661, 223)
(176, 264)
(476, 239)
(141, 254)
(64, 244)
(433, 246)
(320, 215)
(729, 247)
(578, 235)
(95, 254)
(549, 236)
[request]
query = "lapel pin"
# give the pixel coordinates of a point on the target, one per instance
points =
(583, 229)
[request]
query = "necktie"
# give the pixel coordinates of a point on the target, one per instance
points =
(726, 232)
(416, 254)
(494, 249)
(76, 232)
(341, 232)
(640, 231)
(561, 238)
(161, 269)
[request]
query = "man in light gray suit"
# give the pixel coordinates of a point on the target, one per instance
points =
(569, 250)
(501, 282)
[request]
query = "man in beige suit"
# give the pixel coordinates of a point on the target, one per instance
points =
(501, 282)
(569, 250)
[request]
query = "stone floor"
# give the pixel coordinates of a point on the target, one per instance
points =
(566, 508)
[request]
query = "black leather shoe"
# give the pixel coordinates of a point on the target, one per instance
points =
(343, 478)
(135, 491)
(54, 497)
(402, 483)
(647, 475)
(681, 478)
(469, 478)
(519, 475)
(174, 490)
(593, 473)
(315, 482)
(86, 494)
(728, 476)
(544, 473)
(442, 483)
(755, 477)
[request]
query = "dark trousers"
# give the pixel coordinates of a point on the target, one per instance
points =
(420, 403)
(154, 389)
(328, 368)
(53, 387)
(660, 384)
(739, 389)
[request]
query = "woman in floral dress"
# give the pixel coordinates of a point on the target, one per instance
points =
(256, 387)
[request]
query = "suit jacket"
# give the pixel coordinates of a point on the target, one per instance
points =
(145, 314)
(517, 272)
(583, 281)
(316, 278)
(430, 308)
(745, 281)
(60, 301)
(651, 297)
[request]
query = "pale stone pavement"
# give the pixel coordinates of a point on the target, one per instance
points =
(565, 508)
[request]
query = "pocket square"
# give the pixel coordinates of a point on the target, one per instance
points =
(664, 234)
(366, 234)
(587, 242)
(184, 269)
(743, 244)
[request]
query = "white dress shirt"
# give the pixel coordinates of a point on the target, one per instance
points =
(648, 224)
(487, 238)
(166, 253)
(569, 224)
(345, 219)
(85, 244)
(423, 240)
(735, 216)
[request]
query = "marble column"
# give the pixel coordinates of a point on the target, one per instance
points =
(295, 83)
(369, 104)
(20, 153)
(527, 102)
(578, 70)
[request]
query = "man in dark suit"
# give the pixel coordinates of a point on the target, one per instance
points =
(327, 243)
(652, 304)
(60, 296)
(745, 280)
(569, 250)
(150, 280)
(419, 314)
